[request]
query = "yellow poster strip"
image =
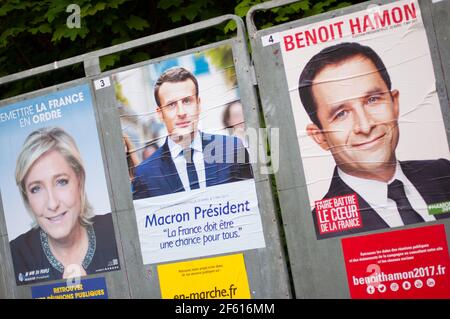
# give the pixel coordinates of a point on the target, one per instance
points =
(211, 278)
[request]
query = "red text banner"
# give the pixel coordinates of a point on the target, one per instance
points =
(405, 264)
(338, 214)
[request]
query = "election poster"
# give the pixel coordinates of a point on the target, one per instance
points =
(190, 170)
(222, 277)
(369, 124)
(53, 187)
(402, 264)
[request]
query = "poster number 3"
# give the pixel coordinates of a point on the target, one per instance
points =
(102, 83)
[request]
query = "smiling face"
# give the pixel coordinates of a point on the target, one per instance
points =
(53, 192)
(180, 108)
(359, 117)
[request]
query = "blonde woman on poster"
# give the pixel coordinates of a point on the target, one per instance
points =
(68, 238)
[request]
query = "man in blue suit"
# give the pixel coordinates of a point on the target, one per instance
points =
(346, 91)
(188, 159)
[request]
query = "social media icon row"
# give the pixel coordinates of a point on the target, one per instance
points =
(406, 285)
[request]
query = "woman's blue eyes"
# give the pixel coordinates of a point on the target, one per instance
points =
(62, 182)
(35, 189)
(59, 182)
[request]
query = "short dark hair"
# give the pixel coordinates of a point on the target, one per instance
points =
(174, 75)
(335, 54)
(227, 113)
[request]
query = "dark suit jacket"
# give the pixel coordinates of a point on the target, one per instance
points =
(431, 178)
(226, 160)
(28, 254)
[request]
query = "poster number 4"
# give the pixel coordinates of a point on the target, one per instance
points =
(270, 39)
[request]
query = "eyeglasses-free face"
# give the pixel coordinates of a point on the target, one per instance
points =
(358, 115)
(180, 107)
(53, 192)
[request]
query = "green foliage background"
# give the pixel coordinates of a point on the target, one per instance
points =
(34, 33)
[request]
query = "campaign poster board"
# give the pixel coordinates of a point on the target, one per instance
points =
(223, 277)
(356, 133)
(181, 215)
(63, 142)
(404, 264)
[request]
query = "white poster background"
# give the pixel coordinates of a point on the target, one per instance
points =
(232, 231)
(405, 52)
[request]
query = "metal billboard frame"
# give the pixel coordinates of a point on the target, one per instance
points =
(317, 266)
(266, 267)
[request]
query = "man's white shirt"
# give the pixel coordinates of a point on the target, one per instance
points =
(375, 194)
(176, 152)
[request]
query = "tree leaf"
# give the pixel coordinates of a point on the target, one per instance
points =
(11, 32)
(7, 8)
(81, 32)
(109, 60)
(56, 10)
(175, 16)
(230, 26)
(302, 5)
(140, 56)
(190, 12)
(281, 19)
(109, 18)
(62, 31)
(242, 8)
(93, 10)
(119, 40)
(166, 4)
(137, 23)
(43, 28)
(114, 4)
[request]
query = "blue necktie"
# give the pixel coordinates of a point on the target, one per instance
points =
(396, 192)
(190, 167)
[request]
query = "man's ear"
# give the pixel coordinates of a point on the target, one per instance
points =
(396, 99)
(160, 113)
(316, 134)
